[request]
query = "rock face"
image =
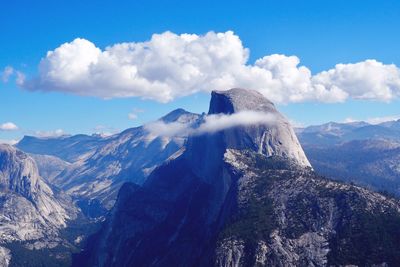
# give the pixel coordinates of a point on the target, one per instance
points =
(227, 200)
(30, 211)
(49, 166)
(67, 148)
(5, 257)
(296, 218)
(128, 156)
(98, 166)
(275, 139)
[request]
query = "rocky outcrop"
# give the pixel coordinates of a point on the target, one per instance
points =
(49, 166)
(273, 139)
(30, 211)
(5, 257)
(314, 221)
(227, 201)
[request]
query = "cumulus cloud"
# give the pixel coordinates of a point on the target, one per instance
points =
(8, 126)
(6, 73)
(171, 65)
(369, 80)
(211, 124)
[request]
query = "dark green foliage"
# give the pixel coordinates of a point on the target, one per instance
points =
(23, 257)
(360, 162)
(59, 256)
(256, 220)
(388, 194)
(365, 239)
(253, 223)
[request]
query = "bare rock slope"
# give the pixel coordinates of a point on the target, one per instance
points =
(233, 198)
(30, 211)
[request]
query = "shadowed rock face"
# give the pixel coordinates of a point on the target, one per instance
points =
(227, 200)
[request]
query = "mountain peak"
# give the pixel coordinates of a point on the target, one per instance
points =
(179, 115)
(175, 115)
(271, 139)
(239, 99)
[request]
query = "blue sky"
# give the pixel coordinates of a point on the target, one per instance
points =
(320, 33)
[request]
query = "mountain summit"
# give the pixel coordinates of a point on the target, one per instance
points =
(238, 99)
(245, 195)
(275, 138)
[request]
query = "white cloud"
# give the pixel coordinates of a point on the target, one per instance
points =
(8, 141)
(8, 126)
(296, 124)
(134, 114)
(370, 79)
(378, 120)
(350, 120)
(170, 66)
(105, 130)
(54, 133)
(375, 120)
(218, 122)
(20, 80)
(212, 123)
(6, 73)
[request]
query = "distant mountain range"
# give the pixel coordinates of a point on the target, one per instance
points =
(337, 133)
(362, 153)
(93, 168)
(230, 188)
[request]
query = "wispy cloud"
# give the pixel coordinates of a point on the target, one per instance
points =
(133, 115)
(53, 133)
(105, 130)
(6, 73)
(20, 80)
(8, 126)
(9, 141)
(375, 120)
(211, 124)
(218, 122)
